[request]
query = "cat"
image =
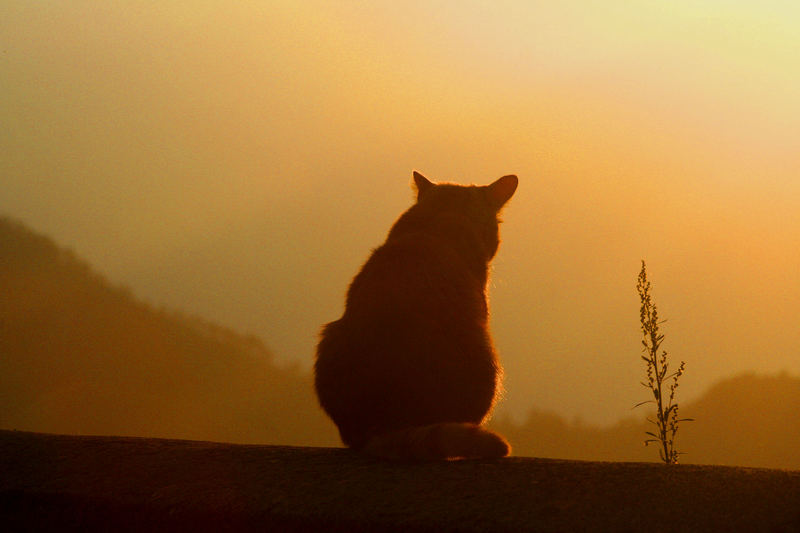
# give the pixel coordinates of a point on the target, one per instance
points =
(409, 370)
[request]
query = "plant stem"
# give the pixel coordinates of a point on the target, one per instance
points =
(666, 416)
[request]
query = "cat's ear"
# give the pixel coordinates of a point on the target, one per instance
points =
(502, 190)
(422, 183)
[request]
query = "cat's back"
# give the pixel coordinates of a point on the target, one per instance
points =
(413, 273)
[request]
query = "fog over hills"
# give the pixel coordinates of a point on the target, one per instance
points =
(239, 160)
(80, 355)
(746, 420)
(83, 356)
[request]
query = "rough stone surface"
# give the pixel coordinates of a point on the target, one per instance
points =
(63, 483)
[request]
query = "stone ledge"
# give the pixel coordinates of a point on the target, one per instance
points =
(59, 482)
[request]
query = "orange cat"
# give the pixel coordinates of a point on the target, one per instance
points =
(409, 371)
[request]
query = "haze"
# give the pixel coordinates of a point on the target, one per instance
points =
(240, 160)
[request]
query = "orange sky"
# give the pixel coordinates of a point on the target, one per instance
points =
(240, 161)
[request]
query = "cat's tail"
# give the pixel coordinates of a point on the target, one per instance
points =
(450, 440)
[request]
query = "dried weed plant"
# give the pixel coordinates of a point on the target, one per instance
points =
(658, 378)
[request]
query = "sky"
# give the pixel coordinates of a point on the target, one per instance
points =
(241, 160)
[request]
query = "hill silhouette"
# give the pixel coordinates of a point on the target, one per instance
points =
(79, 355)
(747, 420)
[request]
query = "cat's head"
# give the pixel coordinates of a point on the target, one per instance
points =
(494, 195)
(467, 213)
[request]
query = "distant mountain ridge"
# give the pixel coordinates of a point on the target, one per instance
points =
(81, 356)
(746, 420)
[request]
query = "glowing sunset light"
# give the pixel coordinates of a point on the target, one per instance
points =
(240, 161)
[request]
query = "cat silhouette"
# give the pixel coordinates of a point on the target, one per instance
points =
(409, 370)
